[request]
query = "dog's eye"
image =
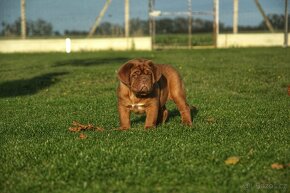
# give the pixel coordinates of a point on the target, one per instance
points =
(134, 75)
(146, 72)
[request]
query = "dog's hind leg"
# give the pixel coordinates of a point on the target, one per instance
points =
(163, 115)
(178, 96)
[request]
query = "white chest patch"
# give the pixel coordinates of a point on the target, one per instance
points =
(137, 108)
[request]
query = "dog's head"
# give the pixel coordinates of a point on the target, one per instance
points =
(139, 75)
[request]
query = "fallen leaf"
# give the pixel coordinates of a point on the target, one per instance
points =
(120, 129)
(251, 152)
(74, 129)
(99, 129)
(83, 136)
(233, 160)
(210, 120)
(77, 127)
(278, 166)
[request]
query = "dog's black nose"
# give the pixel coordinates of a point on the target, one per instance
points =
(144, 89)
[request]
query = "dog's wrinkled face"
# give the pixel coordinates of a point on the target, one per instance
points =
(139, 75)
(141, 79)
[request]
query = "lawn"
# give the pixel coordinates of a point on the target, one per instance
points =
(243, 111)
(181, 40)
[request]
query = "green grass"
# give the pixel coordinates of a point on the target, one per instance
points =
(202, 39)
(241, 95)
(162, 40)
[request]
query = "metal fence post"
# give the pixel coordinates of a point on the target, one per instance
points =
(23, 20)
(235, 16)
(286, 25)
(215, 21)
(151, 23)
(189, 24)
(127, 18)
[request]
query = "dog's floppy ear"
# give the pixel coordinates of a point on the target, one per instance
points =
(156, 72)
(124, 73)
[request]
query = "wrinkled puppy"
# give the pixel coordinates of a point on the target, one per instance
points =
(145, 87)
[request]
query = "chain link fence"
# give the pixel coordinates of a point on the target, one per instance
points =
(58, 19)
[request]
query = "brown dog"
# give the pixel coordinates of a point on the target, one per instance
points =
(145, 87)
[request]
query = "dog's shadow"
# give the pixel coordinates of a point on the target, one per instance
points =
(87, 62)
(171, 115)
(23, 87)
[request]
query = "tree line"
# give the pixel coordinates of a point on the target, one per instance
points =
(138, 27)
(38, 27)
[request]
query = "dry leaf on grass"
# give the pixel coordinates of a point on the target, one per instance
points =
(233, 160)
(251, 152)
(210, 120)
(77, 127)
(74, 129)
(83, 136)
(120, 129)
(99, 129)
(278, 166)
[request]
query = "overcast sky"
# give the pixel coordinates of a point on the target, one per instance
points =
(80, 15)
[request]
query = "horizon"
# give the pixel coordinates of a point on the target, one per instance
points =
(80, 16)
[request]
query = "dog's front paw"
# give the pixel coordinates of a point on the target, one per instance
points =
(122, 129)
(150, 127)
(187, 123)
